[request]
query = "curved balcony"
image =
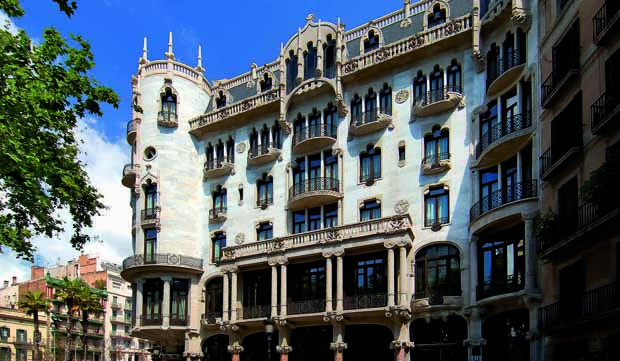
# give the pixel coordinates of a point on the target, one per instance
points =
(370, 122)
(167, 119)
(511, 284)
(312, 192)
(501, 197)
(214, 168)
(437, 101)
(436, 163)
(130, 174)
(132, 130)
(314, 137)
(263, 153)
(506, 137)
(150, 217)
(217, 215)
(160, 262)
(504, 72)
(444, 297)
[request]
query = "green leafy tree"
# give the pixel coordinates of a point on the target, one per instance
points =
(45, 89)
(32, 303)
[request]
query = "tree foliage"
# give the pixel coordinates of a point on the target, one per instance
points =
(45, 89)
(32, 303)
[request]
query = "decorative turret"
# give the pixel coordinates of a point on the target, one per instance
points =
(169, 54)
(144, 59)
(199, 67)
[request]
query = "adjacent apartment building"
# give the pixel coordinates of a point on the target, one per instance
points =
(370, 194)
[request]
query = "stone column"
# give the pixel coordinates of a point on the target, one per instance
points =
(473, 268)
(166, 304)
(400, 349)
(139, 301)
(339, 283)
(274, 291)
(233, 296)
(284, 351)
(390, 270)
(530, 251)
(235, 350)
(328, 284)
(283, 291)
(338, 348)
(403, 276)
(225, 293)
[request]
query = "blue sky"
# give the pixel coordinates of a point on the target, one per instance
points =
(233, 34)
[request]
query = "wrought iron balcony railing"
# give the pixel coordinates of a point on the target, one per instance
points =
(365, 301)
(263, 202)
(216, 163)
(167, 116)
(370, 178)
(215, 212)
(603, 18)
(512, 283)
(314, 131)
(567, 62)
(552, 155)
(441, 291)
(211, 318)
(252, 312)
(436, 95)
(430, 222)
(151, 320)
(262, 149)
(314, 185)
(305, 307)
(178, 321)
(505, 127)
(434, 160)
(603, 107)
(150, 214)
(513, 193)
(370, 116)
(499, 66)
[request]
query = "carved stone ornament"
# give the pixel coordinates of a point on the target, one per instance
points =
(395, 225)
(401, 206)
(400, 344)
(435, 299)
(402, 96)
(338, 346)
(405, 23)
(241, 147)
(235, 349)
(240, 238)
(231, 268)
(277, 260)
(333, 251)
(284, 350)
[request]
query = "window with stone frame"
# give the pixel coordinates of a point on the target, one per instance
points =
(437, 271)
(264, 190)
(370, 164)
(371, 209)
(371, 42)
(150, 245)
(437, 206)
(220, 100)
(218, 243)
(266, 83)
(169, 104)
(438, 16)
(214, 298)
(436, 146)
(264, 231)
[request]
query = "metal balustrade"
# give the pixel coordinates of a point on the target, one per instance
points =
(365, 301)
(216, 163)
(603, 18)
(261, 149)
(154, 320)
(211, 318)
(436, 95)
(495, 287)
(314, 131)
(429, 222)
(513, 193)
(251, 312)
(505, 127)
(162, 259)
(440, 291)
(305, 307)
(603, 107)
(365, 178)
(215, 212)
(314, 185)
(150, 214)
(501, 65)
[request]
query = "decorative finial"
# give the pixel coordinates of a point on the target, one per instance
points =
(169, 54)
(144, 59)
(309, 18)
(199, 67)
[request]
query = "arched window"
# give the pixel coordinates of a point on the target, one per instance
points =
(356, 110)
(264, 190)
(220, 101)
(436, 147)
(264, 139)
(509, 51)
(370, 164)
(169, 105)
(385, 100)
(276, 135)
(291, 72)
(370, 106)
(254, 150)
(219, 200)
(454, 77)
(372, 42)
(437, 272)
(150, 200)
(330, 116)
(310, 61)
(436, 89)
(214, 291)
(314, 123)
(437, 206)
(230, 150)
(493, 61)
(210, 152)
(329, 55)
(218, 242)
(219, 153)
(419, 88)
(438, 16)
(299, 129)
(266, 83)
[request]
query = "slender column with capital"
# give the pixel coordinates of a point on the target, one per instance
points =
(274, 291)
(403, 276)
(390, 277)
(284, 351)
(235, 350)
(339, 285)
(233, 296)
(473, 268)
(283, 292)
(530, 253)
(225, 293)
(139, 301)
(165, 308)
(328, 285)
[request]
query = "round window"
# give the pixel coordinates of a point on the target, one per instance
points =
(150, 153)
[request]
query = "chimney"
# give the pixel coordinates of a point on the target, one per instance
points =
(14, 281)
(6, 284)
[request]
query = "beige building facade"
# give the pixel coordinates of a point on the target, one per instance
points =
(17, 335)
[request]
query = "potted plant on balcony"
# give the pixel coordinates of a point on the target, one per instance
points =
(601, 188)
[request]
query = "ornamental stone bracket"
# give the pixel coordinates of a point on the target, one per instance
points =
(479, 59)
(284, 349)
(333, 251)
(342, 106)
(235, 349)
(333, 235)
(475, 342)
(277, 260)
(521, 17)
(403, 313)
(333, 317)
(338, 346)
(401, 344)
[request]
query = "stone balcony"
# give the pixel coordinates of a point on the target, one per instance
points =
(312, 192)
(215, 168)
(370, 122)
(130, 174)
(436, 163)
(132, 130)
(504, 72)
(263, 154)
(217, 215)
(314, 137)
(167, 119)
(160, 262)
(437, 101)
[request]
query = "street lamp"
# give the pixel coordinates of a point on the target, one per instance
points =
(268, 331)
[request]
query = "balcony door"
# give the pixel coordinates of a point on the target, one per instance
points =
(256, 293)
(572, 287)
(489, 184)
(509, 180)
(568, 200)
(314, 172)
(153, 297)
(178, 302)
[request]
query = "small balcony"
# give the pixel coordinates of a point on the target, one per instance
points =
(591, 305)
(217, 215)
(264, 202)
(438, 292)
(605, 111)
(151, 320)
(132, 130)
(370, 179)
(254, 312)
(130, 174)
(361, 302)
(305, 307)
(314, 191)
(164, 262)
(437, 101)
(436, 163)
(150, 217)
(176, 321)
(314, 137)
(167, 119)
(447, 296)
(506, 137)
(435, 223)
(211, 318)
(263, 153)
(512, 283)
(215, 168)
(504, 72)
(516, 192)
(554, 159)
(121, 320)
(562, 77)
(370, 122)
(116, 305)
(605, 22)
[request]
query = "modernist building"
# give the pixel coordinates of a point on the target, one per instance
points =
(578, 249)
(370, 194)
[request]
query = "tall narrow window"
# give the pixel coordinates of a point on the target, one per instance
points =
(220, 101)
(370, 105)
(254, 149)
(330, 167)
(436, 80)
(230, 150)
(372, 42)
(437, 271)
(454, 77)
(370, 210)
(150, 245)
(314, 172)
(356, 110)
(299, 221)
(509, 180)
(330, 118)
(370, 162)
(314, 219)
(276, 135)
(509, 51)
(214, 299)
(265, 191)
(219, 200)
(169, 105)
(509, 112)
(152, 300)
(385, 100)
(309, 62)
(299, 177)
(329, 55)
(299, 129)
(436, 146)
(314, 124)
(488, 121)
(178, 302)
(266, 83)
(438, 16)
(218, 242)
(210, 153)
(150, 200)
(219, 154)
(264, 231)
(419, 88)
(264, 139)
(401, 153)
(489, 184)
(5, 333)
(501, 262)
(437, 207)
(493, 64)
(330, 212)
(291, 72)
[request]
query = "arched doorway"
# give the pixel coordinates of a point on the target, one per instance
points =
(215, 348)
(505, 335)
(439, 340)
(311, 343)
(368, 343)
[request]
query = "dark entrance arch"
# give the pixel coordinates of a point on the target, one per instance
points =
(505, 335)
(439, 340)
(368, 343)
(311, 343)
(215, 348)
(255, 347)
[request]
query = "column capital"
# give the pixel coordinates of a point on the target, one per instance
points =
(401, 344)
(166, 278)
(284, 349)
(230, 268)
(338, 346)
(333, 251)
(235, 349)
(277, 260)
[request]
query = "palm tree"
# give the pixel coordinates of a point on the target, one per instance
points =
(33, 303)
(90, 303)
(70, 290)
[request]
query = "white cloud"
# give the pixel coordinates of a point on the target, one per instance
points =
(5, 20)
(104, 161)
